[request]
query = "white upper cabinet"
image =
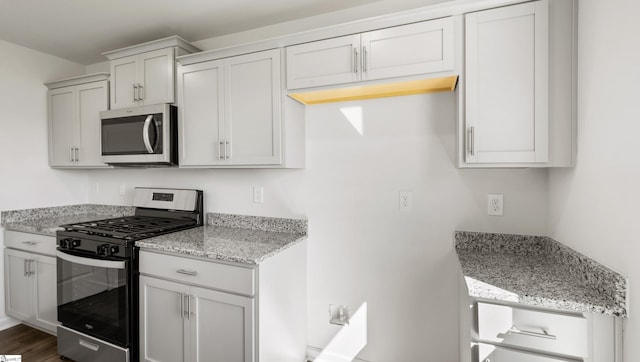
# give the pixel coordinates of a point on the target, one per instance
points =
(147, 78)
(145, 73)
(406, 50)
(233, 113)
(74, 121)
(513, 64)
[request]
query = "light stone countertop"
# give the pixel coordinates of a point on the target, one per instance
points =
(234, 238)
(538, 271)
(247, 246)
(46, 221)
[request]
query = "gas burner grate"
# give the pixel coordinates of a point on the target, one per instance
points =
(130, 227)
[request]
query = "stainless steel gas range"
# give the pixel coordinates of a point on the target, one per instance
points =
(97, 274)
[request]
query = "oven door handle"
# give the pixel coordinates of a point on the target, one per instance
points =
(110, 264)
(145, 133)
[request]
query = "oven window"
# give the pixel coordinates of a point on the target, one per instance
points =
(125, 136)
(94, 300)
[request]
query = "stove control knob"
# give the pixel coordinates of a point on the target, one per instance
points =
(114, 250)
(64, 243)
(74, 243)
(102, 249)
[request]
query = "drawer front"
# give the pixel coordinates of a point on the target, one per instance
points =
(206, 273)
(534, 329)
(490, 353)
(30, 242)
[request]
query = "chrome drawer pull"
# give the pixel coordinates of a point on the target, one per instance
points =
(187, 272)
(514, 330)
(89, 345)
(31, 243)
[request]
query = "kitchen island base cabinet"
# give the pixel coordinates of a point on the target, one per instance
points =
(197, 309)
(30, 287)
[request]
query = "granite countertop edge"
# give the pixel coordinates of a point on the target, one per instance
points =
(592, 277)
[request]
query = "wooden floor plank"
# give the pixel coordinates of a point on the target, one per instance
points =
(34, 345)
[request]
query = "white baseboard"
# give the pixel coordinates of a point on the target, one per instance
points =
(8, 322)
(313, 352)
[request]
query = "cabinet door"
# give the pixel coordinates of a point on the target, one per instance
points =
(201, 106)
(44, 277)
(325, 62)
(253, 109)
(222, 328)
(156, 76)
(92, 98)
(123, 79)
(419, 48)
(507, 84)
(18, 288)
(62, 126)
(163, 330)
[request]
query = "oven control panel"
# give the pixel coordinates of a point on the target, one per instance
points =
(89, 246)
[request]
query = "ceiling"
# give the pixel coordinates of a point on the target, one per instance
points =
(81, 30)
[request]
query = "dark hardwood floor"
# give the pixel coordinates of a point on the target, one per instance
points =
(32, 344)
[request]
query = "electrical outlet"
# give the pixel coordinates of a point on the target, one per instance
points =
(258, 194)
(339, 314)
(495, 205)
(405, 200)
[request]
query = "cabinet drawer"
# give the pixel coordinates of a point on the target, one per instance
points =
(533, 329)
(490, 353)
(30, 242)
(209, 274)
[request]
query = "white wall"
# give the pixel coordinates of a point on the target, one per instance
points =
(361, 247)
(27, 181)
(594, 207)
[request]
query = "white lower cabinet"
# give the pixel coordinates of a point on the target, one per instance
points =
(186, 323)
(201, 310)
(30, 288)
(491, 353)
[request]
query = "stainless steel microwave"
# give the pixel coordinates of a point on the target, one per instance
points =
(140, 136)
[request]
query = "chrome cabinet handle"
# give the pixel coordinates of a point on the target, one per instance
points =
(76, 154)
(189, 312)
(140, 92)
(187, 272)
(145, 133)
(220, 145)
(182, 309)
(71, 154)
(364, 59)
(515, 330)
(472, 141)
(26, 268)
(135, 93)
(227, 150)
(355, 60)
(30, 243)
(30, 267)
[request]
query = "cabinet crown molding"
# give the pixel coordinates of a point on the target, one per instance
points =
(83, 79)
(172, 41)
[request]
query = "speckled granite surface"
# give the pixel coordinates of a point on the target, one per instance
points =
(47, 220)
(538, 271)
(242, 239)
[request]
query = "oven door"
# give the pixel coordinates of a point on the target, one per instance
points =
(94, 296)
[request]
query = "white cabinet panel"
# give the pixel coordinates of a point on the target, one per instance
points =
(253, 108)
(201, 99)
(62, 126)
(163, 331)
(232, 339)
(157, 75)
(232, 113)
(507, 118)
(425, 47)
(74, 124)
(30, 288)
(123, 81)
(146, 78)
(331, 61)
(17, 284)
(491, 353)
(406, 50)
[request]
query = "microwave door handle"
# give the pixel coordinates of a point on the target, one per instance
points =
(145, 133)
(156, 127)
